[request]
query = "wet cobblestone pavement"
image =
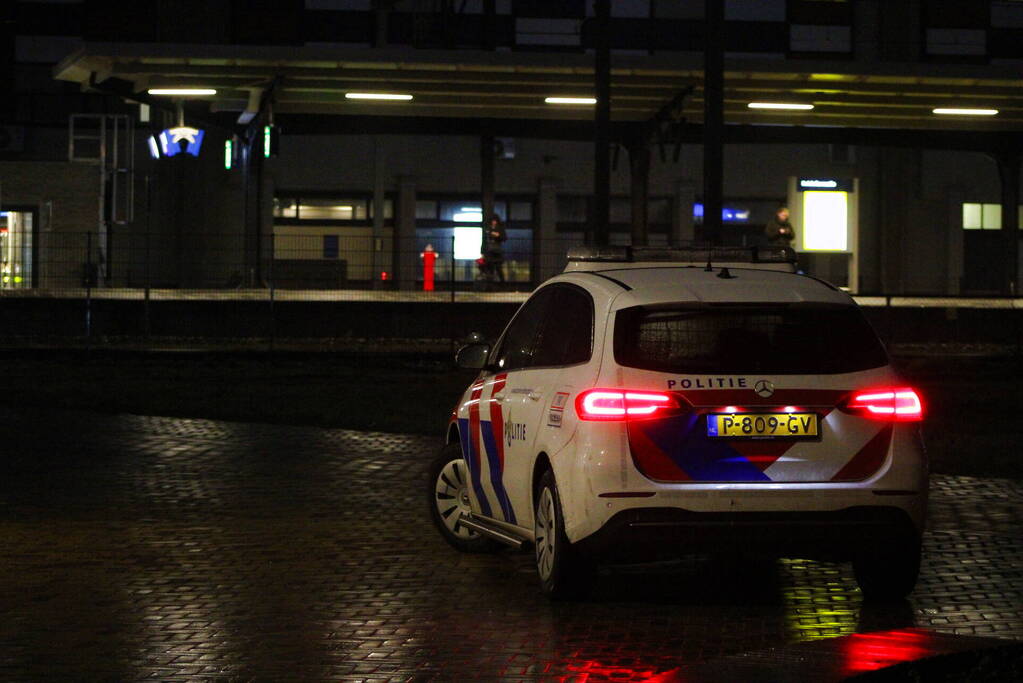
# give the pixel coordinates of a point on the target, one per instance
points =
(140, 547)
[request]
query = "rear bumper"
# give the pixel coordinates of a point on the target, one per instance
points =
(643, 534)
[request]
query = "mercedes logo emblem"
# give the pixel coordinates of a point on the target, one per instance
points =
(764, 388)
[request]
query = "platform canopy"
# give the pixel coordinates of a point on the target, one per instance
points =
(312, 85)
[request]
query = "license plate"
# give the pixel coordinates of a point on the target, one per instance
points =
(770, 425)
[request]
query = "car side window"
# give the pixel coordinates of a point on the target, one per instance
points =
(566, 337)
(517, 347)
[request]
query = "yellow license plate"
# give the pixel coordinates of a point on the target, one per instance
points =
(780, 425)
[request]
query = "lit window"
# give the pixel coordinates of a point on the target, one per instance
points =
(333, 209)
(992, 217)
(971, 217)
(982, 216)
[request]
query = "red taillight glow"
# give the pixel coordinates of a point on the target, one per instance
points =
(900, 403)
(614, 404)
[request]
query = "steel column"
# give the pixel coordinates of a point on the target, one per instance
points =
(713, 119)
(600, 221)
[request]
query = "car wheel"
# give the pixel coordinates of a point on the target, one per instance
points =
(448, 499)
(889, 571)
(563, 572)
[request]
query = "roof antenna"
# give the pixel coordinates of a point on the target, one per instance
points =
(725, 274)
(709, 267)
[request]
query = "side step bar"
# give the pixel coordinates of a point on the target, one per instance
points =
(482, 527)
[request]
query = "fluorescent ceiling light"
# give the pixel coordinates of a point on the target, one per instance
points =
(570, 100)
(780, 105)
(965, 112)
(376, 96)
(181, 91)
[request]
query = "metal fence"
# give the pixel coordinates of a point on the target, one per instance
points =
(323, 288)
(327, 259)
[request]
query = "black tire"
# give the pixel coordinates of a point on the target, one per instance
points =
(447, 494)
(888, 572)
(564, 573)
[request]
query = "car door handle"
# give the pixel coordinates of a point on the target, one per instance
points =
(500, 399)
(535, 395)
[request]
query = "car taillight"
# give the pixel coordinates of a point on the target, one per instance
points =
(900, 403)
(616, 404)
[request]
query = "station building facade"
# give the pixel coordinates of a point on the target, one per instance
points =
(343, 203)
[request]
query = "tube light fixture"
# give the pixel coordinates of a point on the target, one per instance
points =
(792, 106)
(182, 92)
(956, 111)
(570, 100)
(376, 96)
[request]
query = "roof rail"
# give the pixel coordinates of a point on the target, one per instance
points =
(701, 255)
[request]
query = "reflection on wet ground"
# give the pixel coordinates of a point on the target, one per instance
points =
(141, 547)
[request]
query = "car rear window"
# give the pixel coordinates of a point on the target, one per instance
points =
(795, 339)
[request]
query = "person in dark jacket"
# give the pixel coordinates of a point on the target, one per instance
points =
(779, 231)
(494, 253)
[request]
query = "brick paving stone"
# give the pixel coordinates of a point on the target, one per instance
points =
(145, 547)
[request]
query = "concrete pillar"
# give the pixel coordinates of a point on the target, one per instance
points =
(898, 184)
(683, 230)
(1009, 175)
(487, 179)
(713, 119)
(546, 247)
(601, 219)
(954, 198)
(405, 255)
(639, 175)
(379, 259)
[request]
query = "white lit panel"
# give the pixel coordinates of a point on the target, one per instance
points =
(825, 221)
(467, 243)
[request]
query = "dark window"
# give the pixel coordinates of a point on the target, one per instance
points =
(567, 336)
(566, 9)
(519, 341)
(795, 339)
(330, 247)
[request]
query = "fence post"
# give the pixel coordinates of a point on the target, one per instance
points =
(146, 320)
(88, 290)
(270, 277)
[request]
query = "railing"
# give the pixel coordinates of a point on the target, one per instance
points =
(73, 287)
(324, 259)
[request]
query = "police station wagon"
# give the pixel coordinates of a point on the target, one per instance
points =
(653, 403)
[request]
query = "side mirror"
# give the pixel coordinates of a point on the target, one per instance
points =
(472, 356)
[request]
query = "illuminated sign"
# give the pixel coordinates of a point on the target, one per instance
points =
(271, 141)
(182, 139)
(228, 154)
(843, 184)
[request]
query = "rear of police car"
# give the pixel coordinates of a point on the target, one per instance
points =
(750, 409)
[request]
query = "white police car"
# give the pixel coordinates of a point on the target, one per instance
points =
(651, 403)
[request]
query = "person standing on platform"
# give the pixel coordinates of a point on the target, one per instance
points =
(494, 253)
(779, 231)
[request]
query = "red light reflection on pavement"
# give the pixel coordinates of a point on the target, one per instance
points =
(583, 671)
(871, 651)
(826, 661)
